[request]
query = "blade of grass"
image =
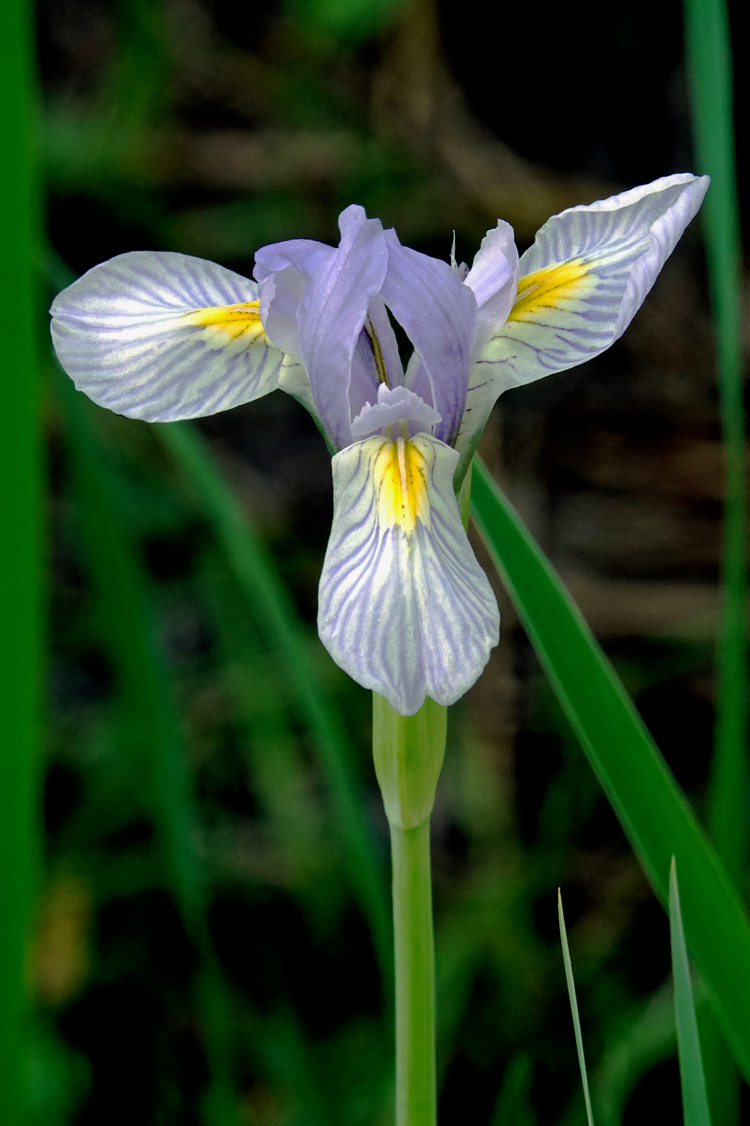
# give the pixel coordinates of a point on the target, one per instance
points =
(709, 65)
(574, 1008)
(146, 716)
(709, 58)
(651, 807)
(20, 569)
(694, 1098)
(276, 616)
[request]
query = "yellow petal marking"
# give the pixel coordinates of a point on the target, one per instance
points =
(236, 323)
(550, 288)
(400, 476)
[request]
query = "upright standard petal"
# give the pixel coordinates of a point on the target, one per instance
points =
(439, 314)
(581, 284)
(376, 361)
(164, 336)
(493, 279)
(331, 313)
(405, 608)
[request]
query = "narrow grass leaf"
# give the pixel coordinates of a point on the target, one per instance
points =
(650, 805)
(574, 1008)
(709, 65)
(255, 573)
(20, 554)
(694, 1098)
(709, 59)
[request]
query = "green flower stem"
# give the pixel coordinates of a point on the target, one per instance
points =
(416, 1099)
(408, 753)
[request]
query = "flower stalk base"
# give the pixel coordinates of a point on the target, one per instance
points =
(408, 752)
(416, 1099)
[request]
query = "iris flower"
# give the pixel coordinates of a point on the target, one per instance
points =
(404, 606)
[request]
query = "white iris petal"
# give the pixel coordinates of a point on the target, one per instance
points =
(164, 336)
(580, 285)
(404, 606)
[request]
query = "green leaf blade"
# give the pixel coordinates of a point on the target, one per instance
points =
(21, 578)
(694, 1098)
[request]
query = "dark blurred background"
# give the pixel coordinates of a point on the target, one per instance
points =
(202, 955)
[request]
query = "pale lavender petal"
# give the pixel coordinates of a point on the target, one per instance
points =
(363, 384)
(417, 379)
(439, 314)
(396, 404)
(164, 336)
(331, 314)
(404, 608)
(279, 297)
(379, 321)
(293, 379)
(493, 279)
(282, 270)
(664, 236)
(375, 360)
(304, 254)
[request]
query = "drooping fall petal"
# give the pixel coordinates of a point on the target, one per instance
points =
(404, 606)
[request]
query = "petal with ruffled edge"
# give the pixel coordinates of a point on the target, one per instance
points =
(394, 404)
(164, 336)
(302, 253)
(404, 608)
(439, 314)
(581, 284)
(282, 270)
